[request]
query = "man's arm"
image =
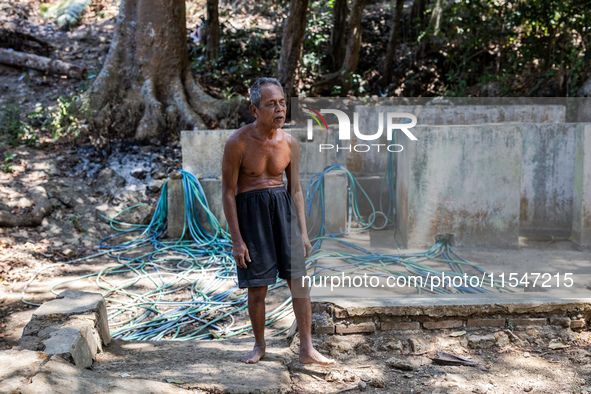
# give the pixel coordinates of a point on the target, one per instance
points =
(292, 172)
(231, 162)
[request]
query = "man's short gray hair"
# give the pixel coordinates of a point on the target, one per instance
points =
(255, 90)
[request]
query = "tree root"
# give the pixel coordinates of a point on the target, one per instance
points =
(152, 122)
(34, 218)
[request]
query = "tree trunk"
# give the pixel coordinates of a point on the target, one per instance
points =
(392, 41)
(342, 77)
(336, 50)
(291, 47)
(417, 13)
(146, 85)
(212, 49)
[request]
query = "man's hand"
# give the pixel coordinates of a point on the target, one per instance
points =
(240, 253)
(307, 245)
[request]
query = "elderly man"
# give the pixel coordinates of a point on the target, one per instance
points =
(261, 218)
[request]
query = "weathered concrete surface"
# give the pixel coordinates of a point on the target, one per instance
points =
(374, 161)
(547, 179)
(463, 180)
(74, 326)
(581, 231)
(202, 151)
(32, 372)
(475, 305)
(176, 210)
(206, 365)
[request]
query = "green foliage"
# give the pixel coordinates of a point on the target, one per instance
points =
(8, 161)
(500, 38)
(67, 12)
(63, 120)
(316, 39)
(245, 55)
(15, 130)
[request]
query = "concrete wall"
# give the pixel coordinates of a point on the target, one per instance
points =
(463, 180)
(547, 179)
(582, 189)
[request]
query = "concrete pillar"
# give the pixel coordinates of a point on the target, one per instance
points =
(176, 209)
(582, 191)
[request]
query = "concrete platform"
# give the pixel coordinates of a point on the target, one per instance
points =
(212, 366)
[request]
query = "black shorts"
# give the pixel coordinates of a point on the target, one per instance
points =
(269, 227)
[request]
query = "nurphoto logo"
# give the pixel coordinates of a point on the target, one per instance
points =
(345, 129)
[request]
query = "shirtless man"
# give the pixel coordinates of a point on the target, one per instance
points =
(261, 217)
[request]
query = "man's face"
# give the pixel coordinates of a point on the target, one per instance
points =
(272, 108)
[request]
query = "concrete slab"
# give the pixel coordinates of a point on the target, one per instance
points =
(463, 180)
(205, 365)
(450, 305)
(31, 372)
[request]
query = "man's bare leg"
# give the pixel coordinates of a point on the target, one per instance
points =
(256, 311)
(303, 312)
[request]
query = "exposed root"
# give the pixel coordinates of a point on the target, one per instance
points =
(191, 118)
(201, 101)
(152, 123)
(34, 218)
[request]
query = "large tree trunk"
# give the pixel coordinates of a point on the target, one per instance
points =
(336, 50)
(146, 85)
(342, 77)
(291, 47)
(392, 41)
(212, 50)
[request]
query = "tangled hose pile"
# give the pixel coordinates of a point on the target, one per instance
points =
(187, 289)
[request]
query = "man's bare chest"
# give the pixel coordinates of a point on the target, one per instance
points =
(266, 159)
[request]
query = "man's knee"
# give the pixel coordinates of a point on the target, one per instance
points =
(299, 288)
(257, 294)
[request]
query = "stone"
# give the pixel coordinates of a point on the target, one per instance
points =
(155, 186)
(362, 385)
(73, 326)
(400, 363)
(378, 383)
(141, 214)
(139, 173)
(578, 323)
(109, 180)
(562, 321)
(481, 341)
(417, 345)
(159, 173)
(70, 344)
(393, 345)
(501, 339)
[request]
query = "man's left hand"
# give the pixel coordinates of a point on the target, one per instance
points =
(307, 246)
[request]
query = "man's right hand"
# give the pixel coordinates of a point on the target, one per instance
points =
(240, 253)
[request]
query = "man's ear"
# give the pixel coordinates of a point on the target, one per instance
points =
(253, 109)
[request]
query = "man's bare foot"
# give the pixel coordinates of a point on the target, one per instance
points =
(257, 353)
(312, 356)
